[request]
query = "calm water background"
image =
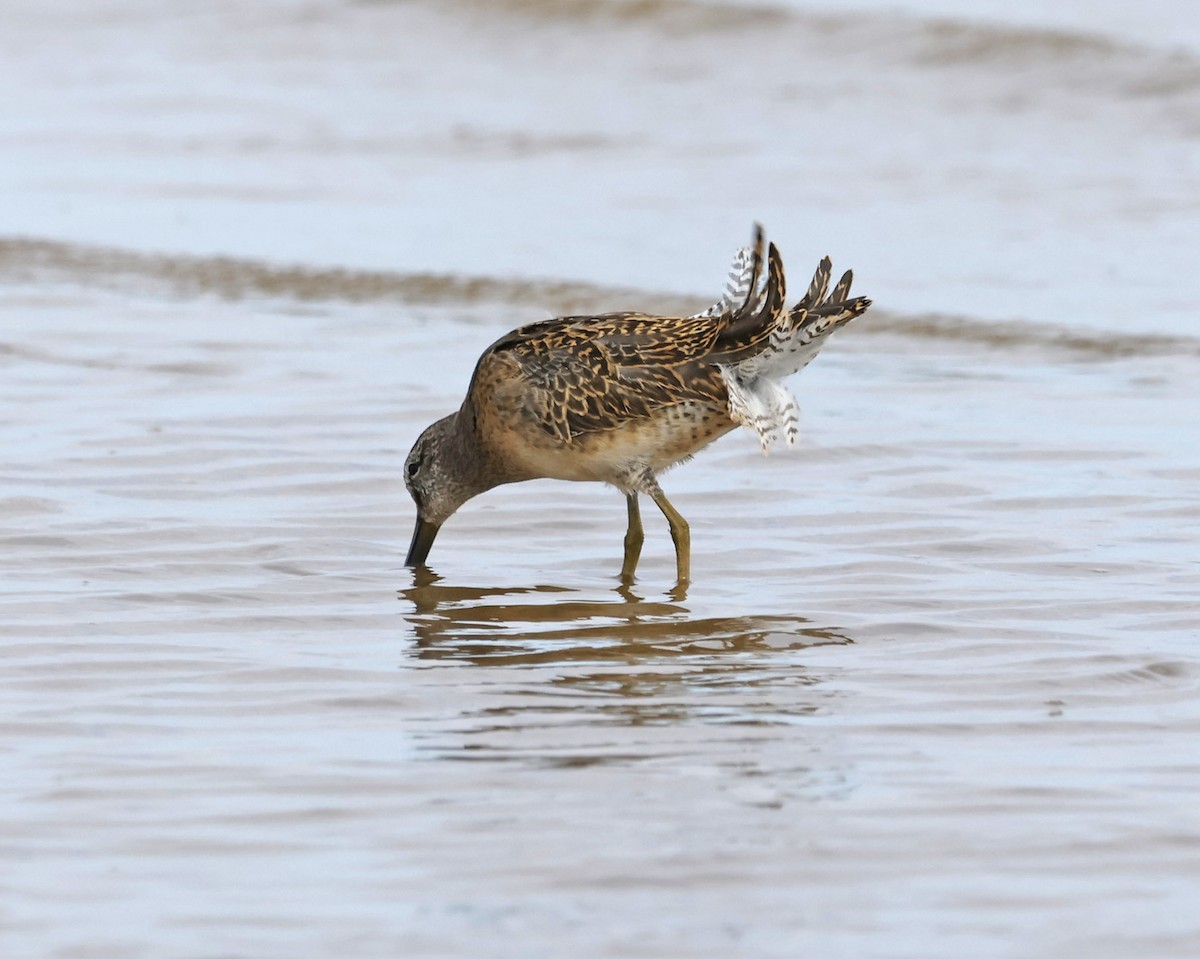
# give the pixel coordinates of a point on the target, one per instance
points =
(934, 690)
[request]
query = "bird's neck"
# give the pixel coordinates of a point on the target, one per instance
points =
(466, 455)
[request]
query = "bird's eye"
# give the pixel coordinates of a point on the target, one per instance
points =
(413, 466)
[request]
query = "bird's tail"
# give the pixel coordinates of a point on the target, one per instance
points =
(761, 342)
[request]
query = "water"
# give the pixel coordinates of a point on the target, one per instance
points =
(933, 691)
(980, 169)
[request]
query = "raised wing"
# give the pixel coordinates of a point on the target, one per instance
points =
(586, 374)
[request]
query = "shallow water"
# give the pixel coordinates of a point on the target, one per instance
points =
(934, 689)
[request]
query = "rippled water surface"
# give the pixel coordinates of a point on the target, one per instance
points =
(935, 688)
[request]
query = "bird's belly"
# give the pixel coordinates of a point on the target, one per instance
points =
(609, 456)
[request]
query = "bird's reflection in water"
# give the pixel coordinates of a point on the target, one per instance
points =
(529, 625)
(595, 663)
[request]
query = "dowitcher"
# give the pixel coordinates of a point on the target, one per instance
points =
(620, 397)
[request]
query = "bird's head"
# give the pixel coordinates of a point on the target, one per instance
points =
(439, 479)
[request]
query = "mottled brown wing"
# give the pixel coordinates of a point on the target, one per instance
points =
(585, 374)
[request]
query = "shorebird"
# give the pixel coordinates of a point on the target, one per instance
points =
(620, 397)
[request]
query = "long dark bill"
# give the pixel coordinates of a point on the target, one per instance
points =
(423, 537)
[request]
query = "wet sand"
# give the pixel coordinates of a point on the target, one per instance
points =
(934, 688)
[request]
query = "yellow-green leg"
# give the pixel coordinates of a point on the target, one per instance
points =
(682, 536)
(634, 538)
